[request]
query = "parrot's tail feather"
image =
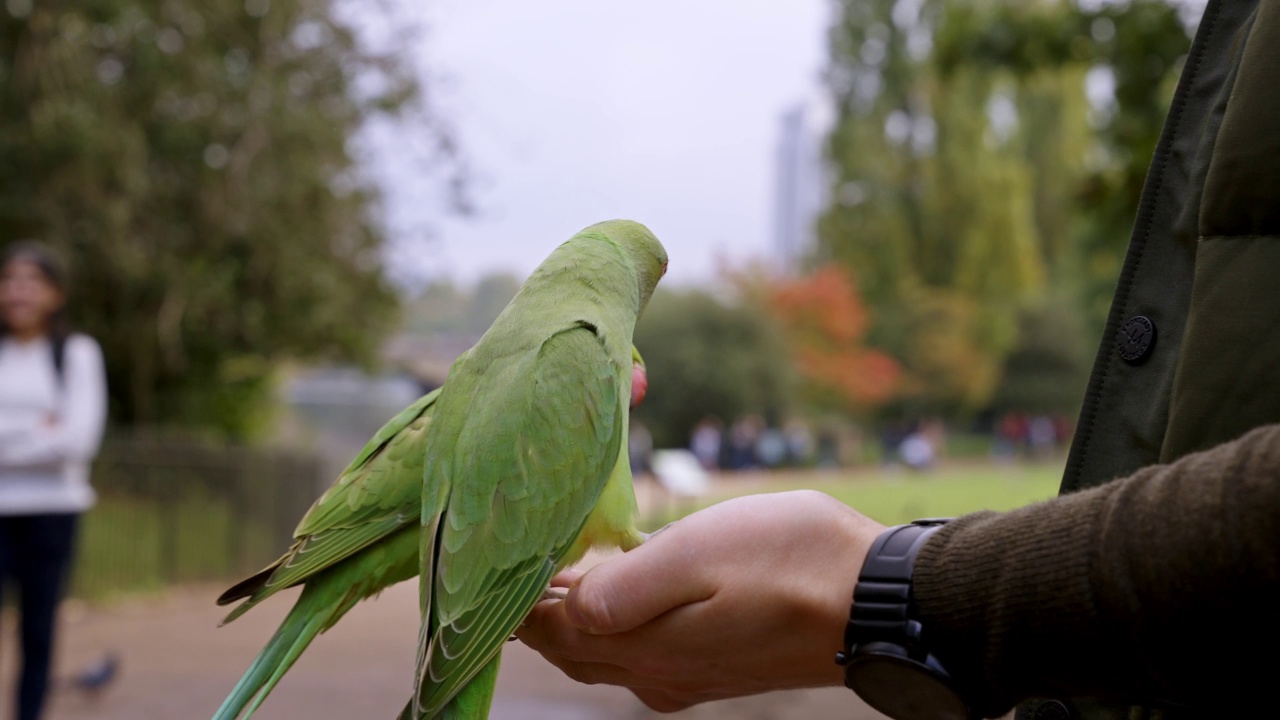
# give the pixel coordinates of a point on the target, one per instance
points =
(247, 587)
(239, 610)
(472, 703)
(310, 616)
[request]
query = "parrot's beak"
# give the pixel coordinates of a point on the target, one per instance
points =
(639, 384)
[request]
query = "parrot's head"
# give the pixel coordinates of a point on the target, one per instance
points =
(646, 253)
(639, 380)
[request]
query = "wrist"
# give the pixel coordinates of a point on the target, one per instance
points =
(849, 536)
(888, 660)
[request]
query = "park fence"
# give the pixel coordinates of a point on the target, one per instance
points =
(174, 510)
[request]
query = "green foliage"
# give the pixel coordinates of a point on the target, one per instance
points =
(704, 357)
(1142, 45)
(194, 161)
(933, 209)
(972, 178)
(1047, 370)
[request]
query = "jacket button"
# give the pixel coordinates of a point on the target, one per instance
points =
(1136, 338)
(1053, 710)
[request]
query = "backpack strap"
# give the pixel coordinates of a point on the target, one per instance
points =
(58, 344)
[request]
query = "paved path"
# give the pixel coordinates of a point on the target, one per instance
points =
(177, 664)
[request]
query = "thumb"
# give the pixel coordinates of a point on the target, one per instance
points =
(631, 589)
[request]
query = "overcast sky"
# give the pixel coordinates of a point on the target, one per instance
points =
(574, 111)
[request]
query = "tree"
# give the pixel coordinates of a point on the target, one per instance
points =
(933, 205)
(973, 178)
(825, 324)
(195, 161)
(1139, 48)
(707, 358)
(1047, 370)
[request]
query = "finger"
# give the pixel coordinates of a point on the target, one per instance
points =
(566, 578)
(660, 700)
(592, 673)
(547, 631)
(630, 589)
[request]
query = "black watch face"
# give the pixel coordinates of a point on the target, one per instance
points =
(904, 689)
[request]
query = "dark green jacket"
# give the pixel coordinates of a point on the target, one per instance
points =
(1190, 356)
(1156, 591)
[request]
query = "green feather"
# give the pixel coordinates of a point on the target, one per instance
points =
(526, 436)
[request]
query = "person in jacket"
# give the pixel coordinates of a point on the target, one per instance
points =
(1148, 590)
(52, 411)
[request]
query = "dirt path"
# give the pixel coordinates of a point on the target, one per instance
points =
(177, 664)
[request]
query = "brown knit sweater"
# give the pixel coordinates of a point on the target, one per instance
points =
(1162, 587)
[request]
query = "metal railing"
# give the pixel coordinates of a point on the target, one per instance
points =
(179, 510)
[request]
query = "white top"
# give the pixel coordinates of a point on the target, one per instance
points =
(49, 431)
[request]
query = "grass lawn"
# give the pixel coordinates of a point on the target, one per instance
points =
(887, 496)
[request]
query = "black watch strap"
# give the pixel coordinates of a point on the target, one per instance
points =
(886, 659)
(881, 610)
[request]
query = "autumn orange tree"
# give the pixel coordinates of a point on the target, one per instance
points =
(826, 324)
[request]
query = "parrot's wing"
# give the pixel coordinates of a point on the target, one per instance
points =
(376, 495)
(534, 467)
(385, 476)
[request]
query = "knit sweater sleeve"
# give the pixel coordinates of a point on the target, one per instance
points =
(1158, 587)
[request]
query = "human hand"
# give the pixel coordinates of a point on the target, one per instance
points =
(744, 597)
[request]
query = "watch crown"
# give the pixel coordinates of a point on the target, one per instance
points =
(842, 658)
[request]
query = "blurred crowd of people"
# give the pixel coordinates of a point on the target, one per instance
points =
(916, 444)
(1030, 436)
(751, 443)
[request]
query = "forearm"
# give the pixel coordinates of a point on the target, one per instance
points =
(1152, 586)
(75, 430)
(38, 447)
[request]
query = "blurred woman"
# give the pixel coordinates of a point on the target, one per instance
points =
(52, 410)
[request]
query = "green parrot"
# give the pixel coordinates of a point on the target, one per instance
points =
(359, 538)
(527, 469)
(368, 523)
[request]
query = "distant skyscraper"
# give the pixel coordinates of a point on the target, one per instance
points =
(800, 186)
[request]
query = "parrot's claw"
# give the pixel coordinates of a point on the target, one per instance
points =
(554, 593)
(551, 593)
(649, 536)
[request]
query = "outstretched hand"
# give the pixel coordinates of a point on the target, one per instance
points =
(744, 597)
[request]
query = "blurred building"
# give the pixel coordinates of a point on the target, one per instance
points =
(800, 183)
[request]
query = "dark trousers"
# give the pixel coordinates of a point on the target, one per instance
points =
(35, 554)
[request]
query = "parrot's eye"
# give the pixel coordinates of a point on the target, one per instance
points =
(664, 270)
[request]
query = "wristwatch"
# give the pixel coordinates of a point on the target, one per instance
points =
(886, 660)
